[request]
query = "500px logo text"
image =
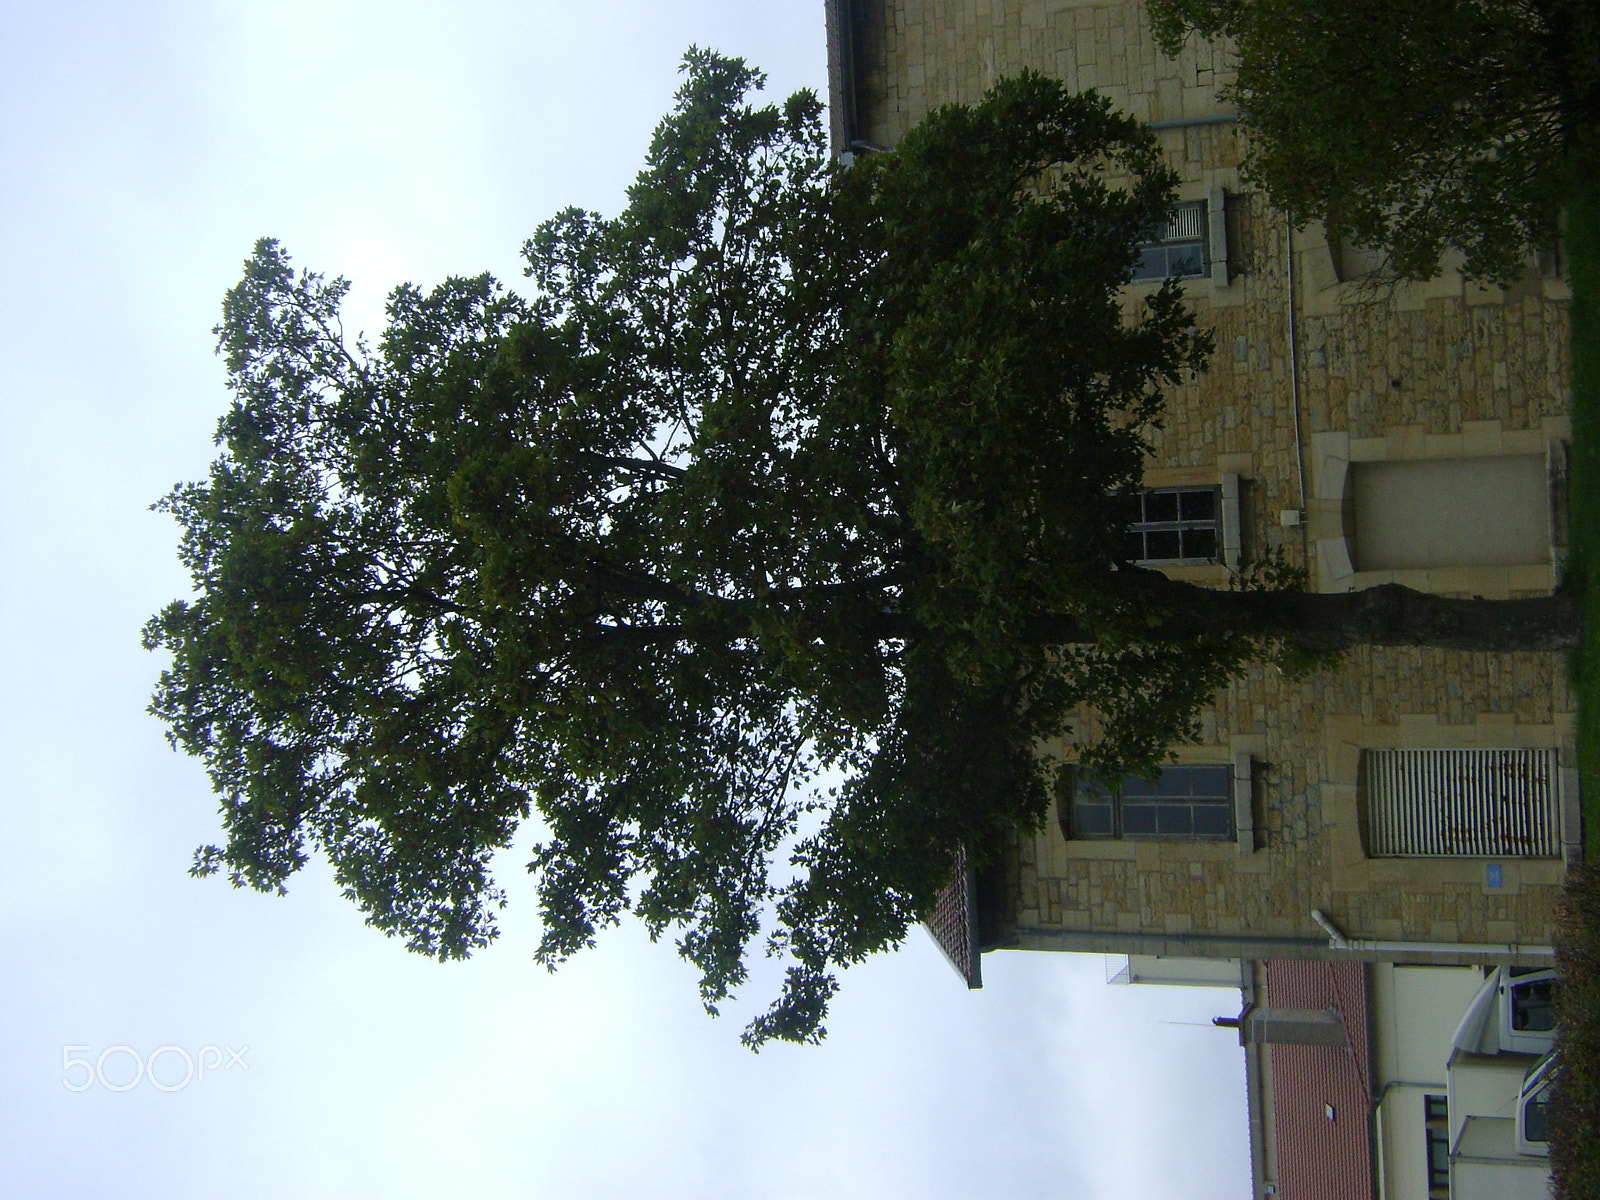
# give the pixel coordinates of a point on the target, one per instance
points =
(80, 1074)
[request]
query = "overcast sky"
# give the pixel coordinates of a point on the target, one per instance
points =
(144, 146)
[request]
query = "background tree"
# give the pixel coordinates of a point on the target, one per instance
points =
(784, 470)
(1413, 126)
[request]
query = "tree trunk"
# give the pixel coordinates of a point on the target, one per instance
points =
(1324, 622)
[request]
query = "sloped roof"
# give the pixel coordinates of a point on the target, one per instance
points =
(1319, 1158)
(954, 923)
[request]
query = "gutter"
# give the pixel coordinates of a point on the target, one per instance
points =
(841, 33)
(844, 122)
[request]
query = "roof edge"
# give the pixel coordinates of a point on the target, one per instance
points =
(953, 923)
(841, 26)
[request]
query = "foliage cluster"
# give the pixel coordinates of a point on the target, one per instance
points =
(777, 473)
(1416, 126)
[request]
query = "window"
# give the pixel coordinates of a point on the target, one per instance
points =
(1462, 803)
(1532, 1004)
(1438, 1162)
(1436, 1113)
(1533, 1110)
(1173, 525)
(1187, 802)
(1536, 1116)
(1181, 251)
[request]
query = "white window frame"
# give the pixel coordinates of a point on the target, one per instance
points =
(1222, 797)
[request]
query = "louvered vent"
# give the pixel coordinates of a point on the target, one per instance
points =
(1188, 224)
(1467, 803)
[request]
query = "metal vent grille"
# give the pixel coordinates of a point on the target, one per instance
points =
(1466, 803)
(1188, 224)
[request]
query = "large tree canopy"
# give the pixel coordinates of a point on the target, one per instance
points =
(1413, 126)
(786, 470)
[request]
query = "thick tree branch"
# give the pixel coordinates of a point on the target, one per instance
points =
(1328, 622)
(651, 468)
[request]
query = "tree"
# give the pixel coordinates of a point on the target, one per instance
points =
(785, 470)
(1412, 126)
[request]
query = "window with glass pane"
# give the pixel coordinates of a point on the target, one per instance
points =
(1172, 525)
(1180, 251)
(1436, 1114)
(1438, 1160)
(1536, 1116)
(1533, 1006)
(1186, 802)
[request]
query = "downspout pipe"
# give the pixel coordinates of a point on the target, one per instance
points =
(1182, 945)
(1294, 370)
(1191, 122)
(1338, 941)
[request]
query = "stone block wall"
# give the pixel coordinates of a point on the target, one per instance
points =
(1311, 372)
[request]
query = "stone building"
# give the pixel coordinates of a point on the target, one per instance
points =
(1413, 804)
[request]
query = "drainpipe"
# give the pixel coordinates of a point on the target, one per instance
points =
(1180, 945)
(1190, 122)
(1294, 378)
(1338, 941)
